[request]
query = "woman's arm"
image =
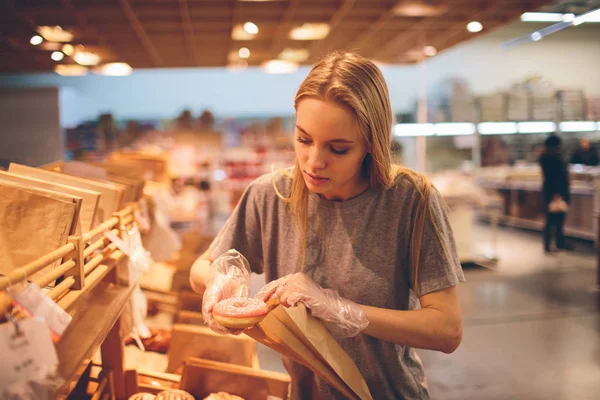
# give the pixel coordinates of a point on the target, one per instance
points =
(199, 272)
(436, 326)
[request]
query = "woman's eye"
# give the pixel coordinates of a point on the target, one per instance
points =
(339, 151)
(303, 140)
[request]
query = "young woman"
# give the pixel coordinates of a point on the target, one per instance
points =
(364, 244)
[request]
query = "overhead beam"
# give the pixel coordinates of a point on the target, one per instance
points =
(85, 25)
(188, 29)
(235, 17)
(280, 33)
(364, 37)
(335, 20)
(141, 34)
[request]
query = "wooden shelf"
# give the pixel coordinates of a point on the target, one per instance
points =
(94, 315)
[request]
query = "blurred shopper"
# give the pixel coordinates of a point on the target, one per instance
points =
(364, 244)
(555, 191)
(585, 154)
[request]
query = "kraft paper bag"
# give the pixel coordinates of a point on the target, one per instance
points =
(110, 200)
(31, 225)
(90, 198)
(294, 333)
(76, 200)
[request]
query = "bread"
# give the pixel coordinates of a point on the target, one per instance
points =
(174, 394)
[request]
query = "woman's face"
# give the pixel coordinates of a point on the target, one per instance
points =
(330, 149)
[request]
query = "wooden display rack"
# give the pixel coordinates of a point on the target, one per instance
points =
(93, 293)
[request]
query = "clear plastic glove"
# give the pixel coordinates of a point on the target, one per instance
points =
(229, 277)
(342, 317)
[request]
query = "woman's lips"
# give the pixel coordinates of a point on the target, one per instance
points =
(315, 179)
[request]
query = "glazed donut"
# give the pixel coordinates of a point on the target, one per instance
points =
(174, 394)
(142, 396)
(239, 312)
(222, 396)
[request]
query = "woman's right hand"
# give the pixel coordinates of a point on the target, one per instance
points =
(228, 276)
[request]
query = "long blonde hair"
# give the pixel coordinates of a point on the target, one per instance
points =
(355, 82)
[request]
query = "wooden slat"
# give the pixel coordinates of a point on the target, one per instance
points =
(94, 315)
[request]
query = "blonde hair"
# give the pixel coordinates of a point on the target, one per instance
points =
(355, 82)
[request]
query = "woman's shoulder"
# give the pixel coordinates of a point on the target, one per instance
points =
(407, 181)
(266, 186)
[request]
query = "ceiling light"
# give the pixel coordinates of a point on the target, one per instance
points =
(55, 34)
(280, 67)
(310, 31)
(86, 58)
(568, 17)
(590, 16)
(36, 39)
(497, 128)
(535, 36)
(541, 17)
(251, 28)
(50, 46)
(238, 65)
(429, 51)
(537, 127)
(402, 130)
(420, 8)
(68, 49)
(578, 126)
(70, 70)
(297, 55)
(115, 69)
(474, 26)
(57, 56)
(239, 33)
(454, 128)
(244, 52)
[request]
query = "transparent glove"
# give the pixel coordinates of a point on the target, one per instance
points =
(229, 276)
(342, 317)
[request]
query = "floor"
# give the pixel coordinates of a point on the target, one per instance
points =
(531, 326)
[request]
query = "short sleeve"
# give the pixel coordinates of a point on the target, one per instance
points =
(242, 231)
(439, 266)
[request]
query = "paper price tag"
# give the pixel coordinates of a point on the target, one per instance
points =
(35, 303)
(27, 355)
(120, 243)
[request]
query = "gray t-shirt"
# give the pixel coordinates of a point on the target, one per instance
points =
(359, 247)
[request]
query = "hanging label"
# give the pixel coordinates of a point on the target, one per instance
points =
(35, 303)
(120, 243)
(28, 355)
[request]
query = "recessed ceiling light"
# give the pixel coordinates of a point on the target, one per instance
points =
(86, 58)
(251, 28)
(36, 39)
(535, 36)
(297, 55)
(70, 70)
(429, 51)
(55, 34)
(474, 26)
(310, 31)
(238, 65)
(280, 67)
(115, 69)
(244, 52)
(420, 8)
(68, 49)
(57, 55)
(239, 33)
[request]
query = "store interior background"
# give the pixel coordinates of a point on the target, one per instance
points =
(532, 321)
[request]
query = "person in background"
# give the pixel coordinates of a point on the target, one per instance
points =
(585, 154)
(555, 189)
(365, 245)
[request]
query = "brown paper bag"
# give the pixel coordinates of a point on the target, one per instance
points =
(90, 198)
(31, 225)
(76, 200)
(303, 338)
(110, 200)
(201, 342)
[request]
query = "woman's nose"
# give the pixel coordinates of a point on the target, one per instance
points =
(316, 158)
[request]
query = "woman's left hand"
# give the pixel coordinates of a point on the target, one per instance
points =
(342, 317)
